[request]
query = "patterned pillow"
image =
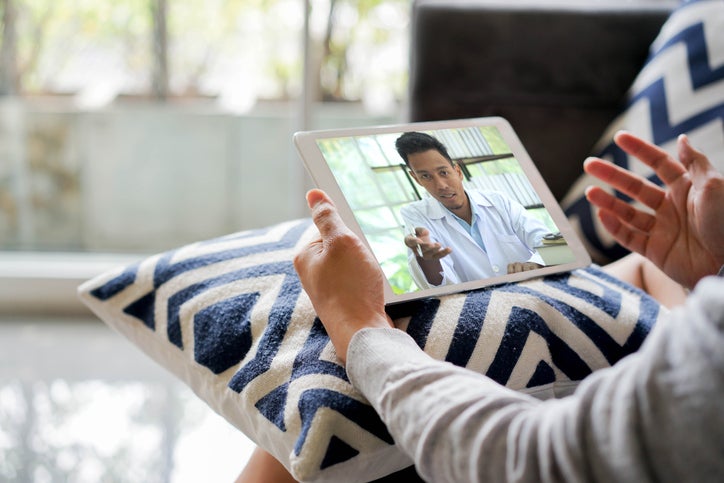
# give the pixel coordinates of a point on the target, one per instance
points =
(229, 317)
(679, 90)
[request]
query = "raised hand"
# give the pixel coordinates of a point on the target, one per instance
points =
(428, 254)
(683, 234)
(425, 248)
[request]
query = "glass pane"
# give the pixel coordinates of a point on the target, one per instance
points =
(97, 49)
(505, 176)
(390, 251)
(543, 215)
(376, 219)
(396, 186)
(238, 50)
(87, 155)
(364, 46)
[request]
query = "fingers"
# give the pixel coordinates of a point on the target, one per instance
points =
(626, 182)
(422, 234)
(435, 251)
(517, 267)
(427, 251)
(411, 241)
(325, 214)
(687, 154)
(634, 240)
(623, 211)
(665, 167)
(695, 161)
(419, 236)
(423, 247)
(328, 222)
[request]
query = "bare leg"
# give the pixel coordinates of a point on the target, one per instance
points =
(642, 273)
(264, 468)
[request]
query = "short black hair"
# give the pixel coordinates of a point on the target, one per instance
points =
(417, 142)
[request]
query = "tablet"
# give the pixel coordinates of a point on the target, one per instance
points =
(445, 206)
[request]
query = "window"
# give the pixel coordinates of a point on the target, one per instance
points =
(236, 50)
(170, 115)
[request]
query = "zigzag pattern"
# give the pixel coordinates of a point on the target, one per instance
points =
(679, 90)
(176, 263)
(230, 304)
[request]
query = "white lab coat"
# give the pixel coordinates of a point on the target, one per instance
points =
(509, 234)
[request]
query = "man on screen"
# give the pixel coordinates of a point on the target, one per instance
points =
(460, 235)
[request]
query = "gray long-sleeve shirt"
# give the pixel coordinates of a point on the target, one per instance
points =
(657, 415)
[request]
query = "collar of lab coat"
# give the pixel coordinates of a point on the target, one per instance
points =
(436, 210)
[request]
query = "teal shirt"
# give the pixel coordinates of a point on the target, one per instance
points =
(473, 229)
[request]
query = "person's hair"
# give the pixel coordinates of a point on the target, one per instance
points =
(418, 142)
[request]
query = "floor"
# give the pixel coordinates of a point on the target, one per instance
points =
(79, 403)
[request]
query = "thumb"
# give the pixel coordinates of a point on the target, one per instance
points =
(315, 196)
(324, 214)
(694, 161)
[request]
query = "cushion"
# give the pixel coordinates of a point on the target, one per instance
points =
(679, 90)
(229, 317)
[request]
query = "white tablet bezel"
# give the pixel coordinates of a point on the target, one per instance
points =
(319, 170)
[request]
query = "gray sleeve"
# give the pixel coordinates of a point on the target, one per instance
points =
(655, 416)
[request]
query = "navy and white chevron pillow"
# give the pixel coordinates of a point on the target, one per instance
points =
(679, 90)
(229, 317)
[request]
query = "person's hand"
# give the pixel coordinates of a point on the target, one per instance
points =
(428, 254)
(684, 236)
(341, 277)
(429, 250)
(517, 267)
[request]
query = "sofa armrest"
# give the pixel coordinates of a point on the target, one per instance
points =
(557, 71)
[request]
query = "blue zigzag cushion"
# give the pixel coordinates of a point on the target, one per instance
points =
(229, 317)
(679, 90)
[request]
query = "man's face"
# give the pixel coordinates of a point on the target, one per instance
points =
(436, 174)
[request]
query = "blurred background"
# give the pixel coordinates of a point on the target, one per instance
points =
(175, 116)
(129, 127)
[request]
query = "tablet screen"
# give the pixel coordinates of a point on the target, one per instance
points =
(443, 206)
